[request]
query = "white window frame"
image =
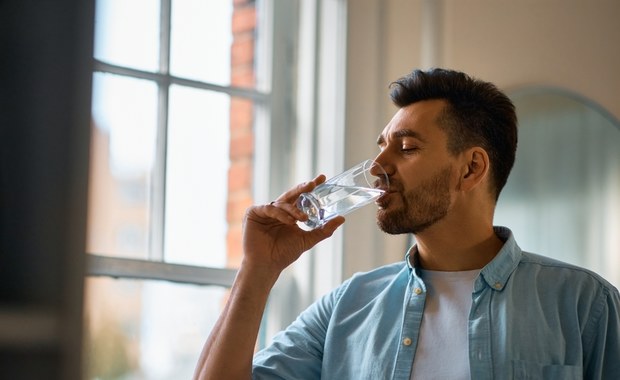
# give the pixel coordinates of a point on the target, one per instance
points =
(154, 267)
(299, 132)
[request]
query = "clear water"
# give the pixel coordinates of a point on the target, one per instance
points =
(328, 201)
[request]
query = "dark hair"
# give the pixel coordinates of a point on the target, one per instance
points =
(478, 114)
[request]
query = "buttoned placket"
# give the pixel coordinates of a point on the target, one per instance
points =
(415, 297)
(479, 329)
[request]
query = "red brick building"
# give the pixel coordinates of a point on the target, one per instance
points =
(241, 125)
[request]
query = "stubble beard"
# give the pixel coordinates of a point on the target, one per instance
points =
(422, 207)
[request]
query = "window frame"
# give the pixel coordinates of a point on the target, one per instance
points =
(299, 127)
(154, 267)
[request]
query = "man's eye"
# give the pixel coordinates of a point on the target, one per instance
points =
(409, 148)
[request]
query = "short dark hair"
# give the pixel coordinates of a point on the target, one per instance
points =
(477, 114)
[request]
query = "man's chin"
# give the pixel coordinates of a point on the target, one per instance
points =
(390, 223)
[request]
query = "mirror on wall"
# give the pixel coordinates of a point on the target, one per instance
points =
(562, 199)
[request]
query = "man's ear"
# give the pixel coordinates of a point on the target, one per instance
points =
(476, 166)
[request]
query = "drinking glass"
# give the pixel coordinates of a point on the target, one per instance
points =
(343, 193)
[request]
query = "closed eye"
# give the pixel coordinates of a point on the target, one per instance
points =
(409, 149)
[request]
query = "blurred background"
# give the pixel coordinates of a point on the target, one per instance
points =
(134, 134)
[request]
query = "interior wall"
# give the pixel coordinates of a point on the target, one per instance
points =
(369, 42)
(570, 44)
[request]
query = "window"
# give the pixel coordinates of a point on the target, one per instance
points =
(179, 99)
(201, 108)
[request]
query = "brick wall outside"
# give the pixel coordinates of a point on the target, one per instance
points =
(241, 126)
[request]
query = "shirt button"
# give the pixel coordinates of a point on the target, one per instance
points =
(498, 285)
(407, 341)
(417, 291)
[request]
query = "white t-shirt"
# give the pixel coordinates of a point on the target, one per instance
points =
(442, 351)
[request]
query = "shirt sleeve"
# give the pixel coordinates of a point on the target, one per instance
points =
(602, 341)
(297, 352)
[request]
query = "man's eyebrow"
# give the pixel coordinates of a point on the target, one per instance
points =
(400, 134)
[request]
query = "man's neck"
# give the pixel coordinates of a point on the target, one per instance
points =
(465, 248)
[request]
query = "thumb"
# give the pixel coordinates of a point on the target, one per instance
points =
(319, 234)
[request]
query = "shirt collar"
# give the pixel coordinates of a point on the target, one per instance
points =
(496, 273)
(412, 259)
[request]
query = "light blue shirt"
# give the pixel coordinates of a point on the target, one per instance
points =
(531, 317)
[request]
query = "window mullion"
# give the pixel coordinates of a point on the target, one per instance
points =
(126, 268)
(241, 92)
(158, 181)
(165, 21)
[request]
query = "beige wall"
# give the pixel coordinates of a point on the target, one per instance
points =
(571, 44)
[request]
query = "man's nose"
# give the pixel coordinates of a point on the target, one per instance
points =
(384, 162)
(381, 173)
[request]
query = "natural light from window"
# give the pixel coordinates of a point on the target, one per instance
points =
(159, 187)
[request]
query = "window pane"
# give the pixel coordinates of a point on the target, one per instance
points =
(201, 39)
(204, 193)
(127, 33)
(147, 329)
(122, 156)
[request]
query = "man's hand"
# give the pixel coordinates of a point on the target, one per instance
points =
(272, 240)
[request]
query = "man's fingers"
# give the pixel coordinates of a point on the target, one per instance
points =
(326, 230)
(284, 209)
(291, 195)
(271, 211)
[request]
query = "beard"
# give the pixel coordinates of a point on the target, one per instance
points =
(422, 207)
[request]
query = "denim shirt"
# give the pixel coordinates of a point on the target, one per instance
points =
(531, 318)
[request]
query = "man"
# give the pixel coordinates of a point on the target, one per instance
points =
(466, 303)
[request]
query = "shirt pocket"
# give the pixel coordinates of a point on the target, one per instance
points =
(523, 370)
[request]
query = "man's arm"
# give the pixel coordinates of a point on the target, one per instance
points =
(271, 242)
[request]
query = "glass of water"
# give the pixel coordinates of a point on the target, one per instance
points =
(344, 193)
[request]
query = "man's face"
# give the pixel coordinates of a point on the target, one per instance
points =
(421, 170)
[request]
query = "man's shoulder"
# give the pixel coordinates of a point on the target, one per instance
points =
(561, 272)
(383, 272)
(379, 278)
